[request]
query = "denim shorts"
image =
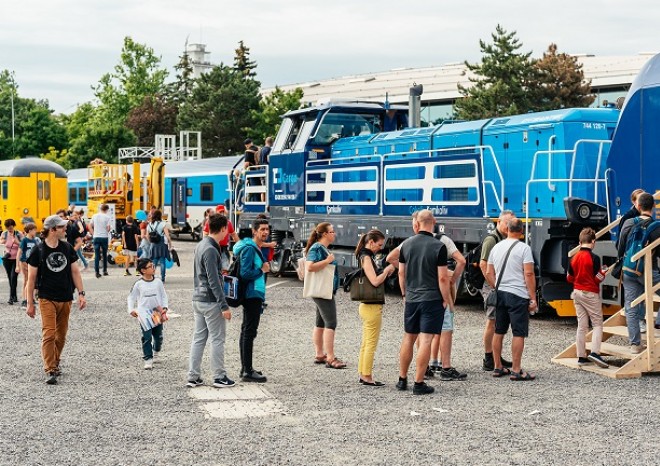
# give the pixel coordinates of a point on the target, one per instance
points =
(448, 321)
(423, 317)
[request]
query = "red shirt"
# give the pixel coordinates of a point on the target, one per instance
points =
(230, 230)
(584, 271)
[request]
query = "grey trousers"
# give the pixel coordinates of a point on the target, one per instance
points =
(208, 323)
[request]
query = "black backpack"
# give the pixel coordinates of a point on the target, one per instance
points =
(234, 272)
(473, 275)
(154, 236)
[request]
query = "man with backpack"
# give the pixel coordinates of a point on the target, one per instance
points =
(636, 234)
(51, 271)
(500, 233)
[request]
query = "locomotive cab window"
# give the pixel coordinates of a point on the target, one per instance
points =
(342, 125)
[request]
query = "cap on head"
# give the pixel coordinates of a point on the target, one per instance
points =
(220, 209)
(54, 221)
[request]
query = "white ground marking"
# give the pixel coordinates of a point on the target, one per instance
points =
(274, 284)
(237, 402)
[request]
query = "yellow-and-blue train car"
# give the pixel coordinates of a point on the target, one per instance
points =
(31, 189)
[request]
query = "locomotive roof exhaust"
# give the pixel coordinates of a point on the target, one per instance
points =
(415, 105)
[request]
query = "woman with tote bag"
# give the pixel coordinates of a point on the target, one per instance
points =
(371, 313)
(318, 259)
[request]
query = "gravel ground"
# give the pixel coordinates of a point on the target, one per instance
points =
(108, 410)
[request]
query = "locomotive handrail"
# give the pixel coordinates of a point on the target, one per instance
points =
(600, 144)
(545, 180)
(256, 189)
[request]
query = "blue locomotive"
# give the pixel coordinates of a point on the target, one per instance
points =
(559, 171)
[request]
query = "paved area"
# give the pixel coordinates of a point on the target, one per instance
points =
(107, 410)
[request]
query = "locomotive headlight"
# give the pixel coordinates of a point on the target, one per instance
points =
(25, 211)
(584, 211)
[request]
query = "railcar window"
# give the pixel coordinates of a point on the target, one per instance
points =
(82, 195)
(40, 190)
(206, 192)
(304, 134)
(5, 189)
(73, 195)
(46, 190)
(343, 125)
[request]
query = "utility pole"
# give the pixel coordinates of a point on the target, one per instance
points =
(13, 88)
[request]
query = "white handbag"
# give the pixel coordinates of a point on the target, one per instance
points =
(318, 284)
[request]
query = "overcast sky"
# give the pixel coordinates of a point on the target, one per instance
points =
(58, 49)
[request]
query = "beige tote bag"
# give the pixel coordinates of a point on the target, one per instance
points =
(319, 284)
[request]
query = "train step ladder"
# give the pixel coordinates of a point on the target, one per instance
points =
(634, 365)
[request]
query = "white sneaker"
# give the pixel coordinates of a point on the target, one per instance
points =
(157, 356)
(642, 326)
(148, 364)
(636, 349)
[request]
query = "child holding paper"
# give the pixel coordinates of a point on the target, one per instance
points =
(151, 311)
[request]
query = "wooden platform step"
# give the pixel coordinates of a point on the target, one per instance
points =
(620, 330)
(612, 371)
(614, 350)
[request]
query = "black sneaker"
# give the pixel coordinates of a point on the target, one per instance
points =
(452, 374)
(402, 384)
(435, 367)
(24, 303)
(422, 389)
(488, 364)
(223, 382)
(507, 364)
(106, 273)
(429, 374)
(98, 275)
(51, 379)
(194, 383)
(254, 376)
(583, 361)
(596, 359)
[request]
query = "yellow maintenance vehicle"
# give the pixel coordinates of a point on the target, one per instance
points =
(125, 188)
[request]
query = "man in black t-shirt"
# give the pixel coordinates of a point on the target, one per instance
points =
(425, 284)
(51, 271)
(130, 236)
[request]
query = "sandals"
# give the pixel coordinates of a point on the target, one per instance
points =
(321, 359)
(522, 376)
(372, 384)
(335, 364)
(501, 372)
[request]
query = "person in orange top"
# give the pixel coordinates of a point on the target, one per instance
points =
(585, 273)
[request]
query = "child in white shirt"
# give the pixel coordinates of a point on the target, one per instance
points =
(151, 310)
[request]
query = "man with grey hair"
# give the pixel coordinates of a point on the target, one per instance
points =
(511, 268)
(487, 246)
(425, 284)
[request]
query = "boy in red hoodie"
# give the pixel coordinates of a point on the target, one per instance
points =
(585, 273)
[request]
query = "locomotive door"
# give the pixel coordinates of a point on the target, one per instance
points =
(44, 185)
(179, 199)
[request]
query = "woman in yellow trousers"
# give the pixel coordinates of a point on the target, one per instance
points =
(371, 314)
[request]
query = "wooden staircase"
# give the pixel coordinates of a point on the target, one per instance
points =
(648, 361)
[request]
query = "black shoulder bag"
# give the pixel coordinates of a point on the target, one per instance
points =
(492, 297)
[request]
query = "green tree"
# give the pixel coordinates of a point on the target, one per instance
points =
(242, 62)
(500, 85)
(179, 90)
(222, 106)
(271, 109)
(559, 82)
(154, 116)
(137, 75)
(35, 126)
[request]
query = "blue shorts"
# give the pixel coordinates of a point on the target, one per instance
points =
(448, 321)
(424, 317)
(512, 311)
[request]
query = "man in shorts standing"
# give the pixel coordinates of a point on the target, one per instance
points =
(500, 233)
(130, 236)
(425, 285)
(515, 297)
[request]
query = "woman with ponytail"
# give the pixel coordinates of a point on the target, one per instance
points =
(371, 314)
(318, 257)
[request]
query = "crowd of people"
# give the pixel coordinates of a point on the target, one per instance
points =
(427, 286)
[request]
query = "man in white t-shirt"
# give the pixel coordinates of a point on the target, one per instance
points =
(100, 227)
(515, 297)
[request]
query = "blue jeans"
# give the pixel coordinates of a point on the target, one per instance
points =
(155, 334)
(633, 287)
(100, 247)
(82, 257)
(161, 261)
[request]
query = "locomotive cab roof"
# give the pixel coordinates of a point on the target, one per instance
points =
(25, 167)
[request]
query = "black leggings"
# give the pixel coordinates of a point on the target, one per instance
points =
(251, 317)
(12, 276)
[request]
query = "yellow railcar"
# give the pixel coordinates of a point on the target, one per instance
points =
(31, 189)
